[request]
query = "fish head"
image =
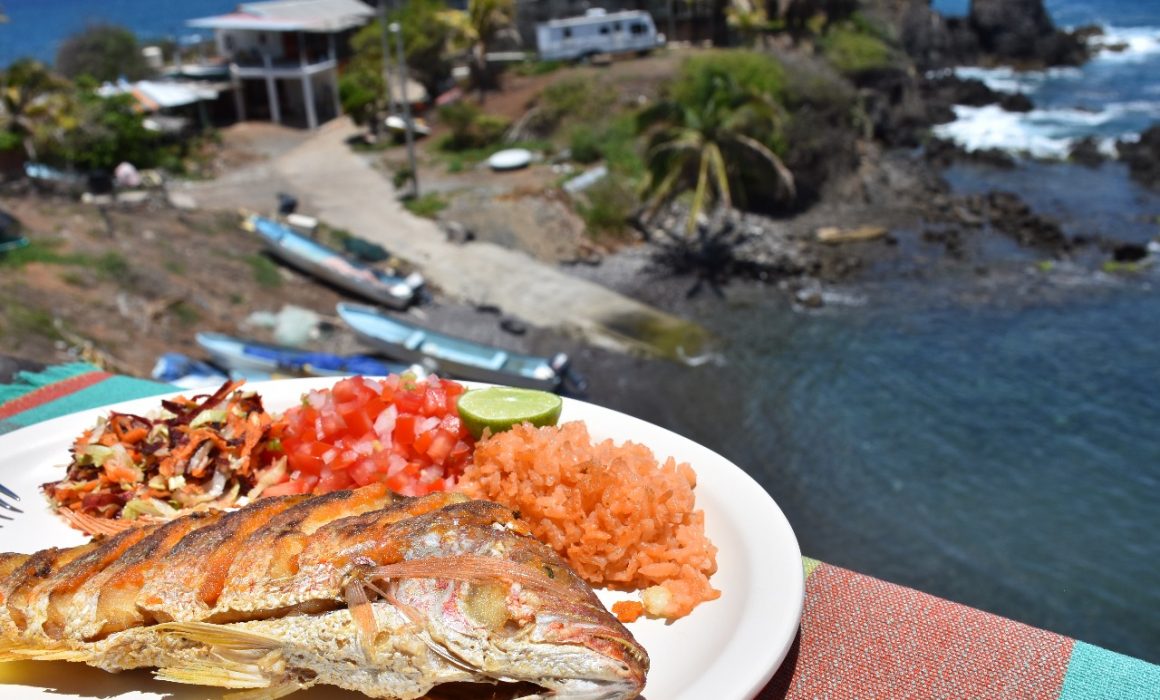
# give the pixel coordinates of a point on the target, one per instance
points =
(491, 598)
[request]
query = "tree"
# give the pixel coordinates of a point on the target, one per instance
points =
(426, 34)
(89, 132)
(705, 137)
(484, 23)
(104, 52)
(27, 100)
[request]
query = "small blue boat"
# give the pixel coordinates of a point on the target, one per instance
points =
(10, 236)
(310, 256)
(248, 357)
(458, 357)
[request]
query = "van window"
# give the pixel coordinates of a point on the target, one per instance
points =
(567, 32)
(637, 28)
(604, 29)
(616, 27)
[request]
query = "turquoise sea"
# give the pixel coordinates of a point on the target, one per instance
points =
(993, 443)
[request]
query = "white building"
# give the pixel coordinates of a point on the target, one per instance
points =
(284, 56)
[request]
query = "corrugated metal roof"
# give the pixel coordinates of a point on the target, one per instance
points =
(292, 15)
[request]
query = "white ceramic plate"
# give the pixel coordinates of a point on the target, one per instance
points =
(726, 649)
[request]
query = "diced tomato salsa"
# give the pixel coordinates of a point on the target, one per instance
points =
(398, 430)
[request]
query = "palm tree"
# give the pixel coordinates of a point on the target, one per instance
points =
(703, 144)
(477, 29)
(28, 92)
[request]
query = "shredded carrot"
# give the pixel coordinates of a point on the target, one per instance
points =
(128, 459)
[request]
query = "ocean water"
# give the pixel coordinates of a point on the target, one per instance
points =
(36, 27)
(1114, 96)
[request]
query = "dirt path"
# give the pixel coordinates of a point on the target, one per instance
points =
(342, 189)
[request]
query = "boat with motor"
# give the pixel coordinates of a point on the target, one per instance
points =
(249, 356)
(458, 357)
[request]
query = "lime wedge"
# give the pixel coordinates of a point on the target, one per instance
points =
(500, 407)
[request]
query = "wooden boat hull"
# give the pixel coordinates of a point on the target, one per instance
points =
(460, 358)
(315, 259)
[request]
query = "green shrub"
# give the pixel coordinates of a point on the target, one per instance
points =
(606, 207)
(265, 271)
(112, 266)
(576, 97)
(470, 127)
(536, 67)
(752, 72)
(39, 252)
(427, 206)
(10, 141)
(853, 52)
(585, 145)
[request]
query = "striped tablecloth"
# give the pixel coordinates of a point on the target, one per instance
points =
(860, 637)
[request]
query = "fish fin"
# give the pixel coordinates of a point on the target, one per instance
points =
(91, 525)
(43, 654)
(271, 693)
(363, 616)
(217, 672)
(220, 636)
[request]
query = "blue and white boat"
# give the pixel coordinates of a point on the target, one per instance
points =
(310, 256)
(249, 357)
(460, 358)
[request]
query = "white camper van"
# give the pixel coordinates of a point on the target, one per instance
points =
(597, 32)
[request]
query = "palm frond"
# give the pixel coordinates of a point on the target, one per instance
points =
(699, 194)
(783, 173)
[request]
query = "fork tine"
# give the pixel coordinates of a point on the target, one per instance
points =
(9, 492)
(4, 517)
(8, 506)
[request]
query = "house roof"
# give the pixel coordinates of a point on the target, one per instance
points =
(154, 95)
(291, 15)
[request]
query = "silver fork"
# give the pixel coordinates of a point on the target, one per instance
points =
(6, 505)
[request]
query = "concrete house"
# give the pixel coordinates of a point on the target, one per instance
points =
(284, 56)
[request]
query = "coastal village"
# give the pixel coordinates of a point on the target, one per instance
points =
(284, 196)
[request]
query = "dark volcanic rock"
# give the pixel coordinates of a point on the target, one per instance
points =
(943, 153)
(1086, 152)
(1143, 157)
(1011, 215)
(1017, 102)
(1022, 31)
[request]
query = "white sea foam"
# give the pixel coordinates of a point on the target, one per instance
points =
(1009, 80)
(1127, 44)
(1040, 133)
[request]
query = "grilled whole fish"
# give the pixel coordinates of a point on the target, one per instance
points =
(377, 593)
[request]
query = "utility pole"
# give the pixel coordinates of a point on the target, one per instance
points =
(410, 131)
(392, 107)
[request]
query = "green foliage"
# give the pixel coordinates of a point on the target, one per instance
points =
(104, 52)
(105, 132)
(852, 51)
(700, 76)
(532, 68)
(578, 98)
(470, 127)
(10, 141)
(265, 271)
(427, 206)
(426, 34)
(20, 321)
(722, 122)
(359, 94)
(38, 251)
(112, 266)
(606, 206)
(585, 144)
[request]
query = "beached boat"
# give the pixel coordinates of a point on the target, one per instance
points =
(248, 356)
(457, 357)
(308, 255)
(10, 235)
